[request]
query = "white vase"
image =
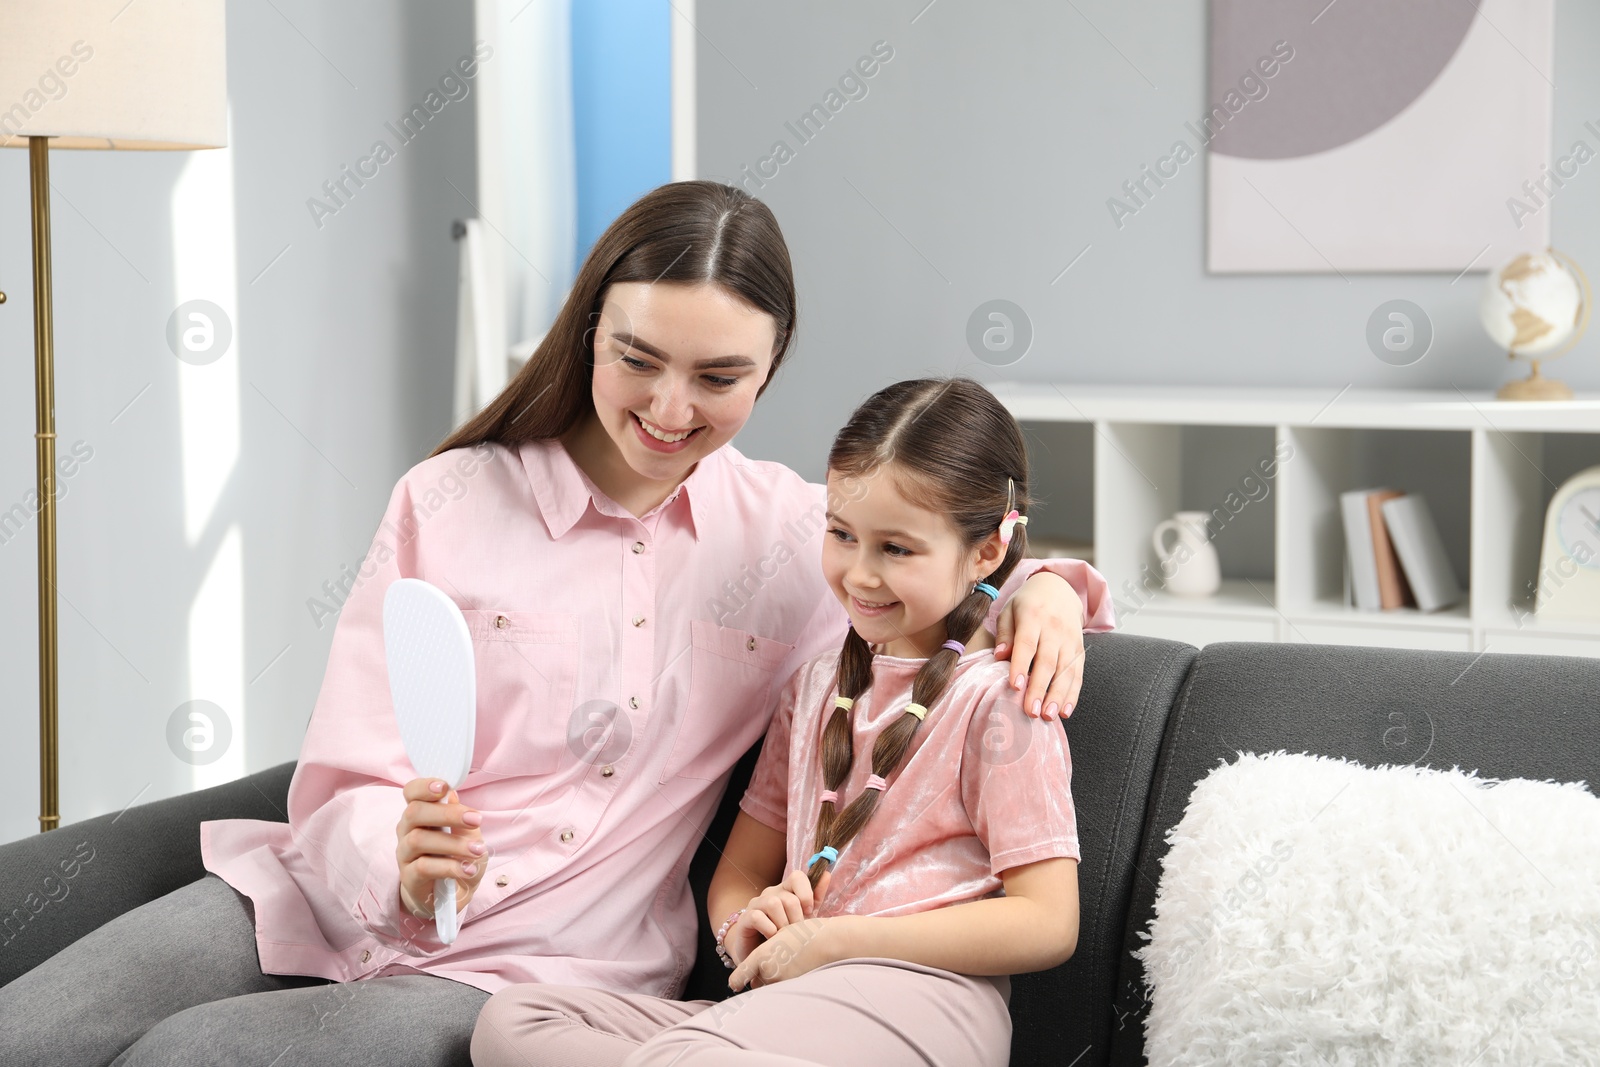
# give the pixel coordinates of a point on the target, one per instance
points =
(1189, 566)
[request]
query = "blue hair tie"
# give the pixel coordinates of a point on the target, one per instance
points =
(828, 853)
(988, 590)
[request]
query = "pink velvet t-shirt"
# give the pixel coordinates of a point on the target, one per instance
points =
(982, 787)
(624, 664)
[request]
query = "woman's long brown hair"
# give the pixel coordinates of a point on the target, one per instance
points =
(955, 450)
(696, 232)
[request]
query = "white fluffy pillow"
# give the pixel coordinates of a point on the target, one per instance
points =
(1317, 911)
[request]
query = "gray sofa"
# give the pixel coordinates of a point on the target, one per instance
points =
(1153, 719)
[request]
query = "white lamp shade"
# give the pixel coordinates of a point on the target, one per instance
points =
(148, 74)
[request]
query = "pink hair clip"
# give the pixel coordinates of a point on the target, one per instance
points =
(1008, 523)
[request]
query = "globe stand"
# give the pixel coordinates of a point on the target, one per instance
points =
(1534, 387)
(1512, 323)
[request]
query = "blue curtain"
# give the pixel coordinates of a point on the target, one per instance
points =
(621, 107)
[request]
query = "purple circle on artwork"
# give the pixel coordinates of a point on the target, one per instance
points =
(1351, 67)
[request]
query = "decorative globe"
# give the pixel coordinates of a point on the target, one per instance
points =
(1536, 307)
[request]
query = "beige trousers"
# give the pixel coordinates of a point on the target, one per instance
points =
(869, 1012)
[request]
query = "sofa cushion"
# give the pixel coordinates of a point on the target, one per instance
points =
(58, 886)
(1313, 909)
(1501, 716)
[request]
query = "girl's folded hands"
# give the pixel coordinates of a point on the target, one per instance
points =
(777, 907)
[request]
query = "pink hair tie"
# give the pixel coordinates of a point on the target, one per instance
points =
(1009, 523)
(874, 782)
(829, 795)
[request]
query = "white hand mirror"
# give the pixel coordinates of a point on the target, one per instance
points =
(433, 683)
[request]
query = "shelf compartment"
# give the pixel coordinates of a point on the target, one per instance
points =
(1061, 473)
(1146, 472)
(1323, 462)
(1515, 475)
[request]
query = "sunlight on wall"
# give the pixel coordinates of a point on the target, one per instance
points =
(216, 660)
(203, 238)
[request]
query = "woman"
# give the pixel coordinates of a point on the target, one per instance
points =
(633, 586)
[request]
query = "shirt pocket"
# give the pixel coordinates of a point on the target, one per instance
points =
(730, 682)
(527, 670)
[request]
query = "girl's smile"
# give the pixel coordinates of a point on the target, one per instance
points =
(871, 610)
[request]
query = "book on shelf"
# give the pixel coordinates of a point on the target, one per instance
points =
(1394, 556)
(1393, 589)
(1360, 549)
(1421, 550)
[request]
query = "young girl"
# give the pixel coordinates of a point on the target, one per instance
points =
(901, 787)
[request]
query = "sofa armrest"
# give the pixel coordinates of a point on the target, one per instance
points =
(58, 886)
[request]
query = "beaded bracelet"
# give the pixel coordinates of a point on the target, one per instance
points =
(722, 932)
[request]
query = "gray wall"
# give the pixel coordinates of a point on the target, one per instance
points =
(979, 164)
(345, 347)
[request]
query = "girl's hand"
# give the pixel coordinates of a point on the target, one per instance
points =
(778, 907)
(1047, 619)
(797, 948)
(426, 853)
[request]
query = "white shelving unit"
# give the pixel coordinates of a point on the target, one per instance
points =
(1110, 462)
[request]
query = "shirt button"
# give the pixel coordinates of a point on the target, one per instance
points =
(566, 836)
(638, 547)
(501, 881)
(751, 644)
(633, 702)
(607, 771)
(366, 954)
(499, 622)
(638, 620)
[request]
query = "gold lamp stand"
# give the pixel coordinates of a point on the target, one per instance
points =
(44, 391)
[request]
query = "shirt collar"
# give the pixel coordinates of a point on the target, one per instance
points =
(563, 492)
(698, 484)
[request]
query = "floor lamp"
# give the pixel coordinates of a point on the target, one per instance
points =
(119, 74)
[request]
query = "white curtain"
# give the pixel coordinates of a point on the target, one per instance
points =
(517, 256)
(481, 366)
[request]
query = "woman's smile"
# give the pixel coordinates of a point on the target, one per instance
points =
(659, 440)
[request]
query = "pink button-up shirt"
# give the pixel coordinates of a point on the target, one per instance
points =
(624, 664)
